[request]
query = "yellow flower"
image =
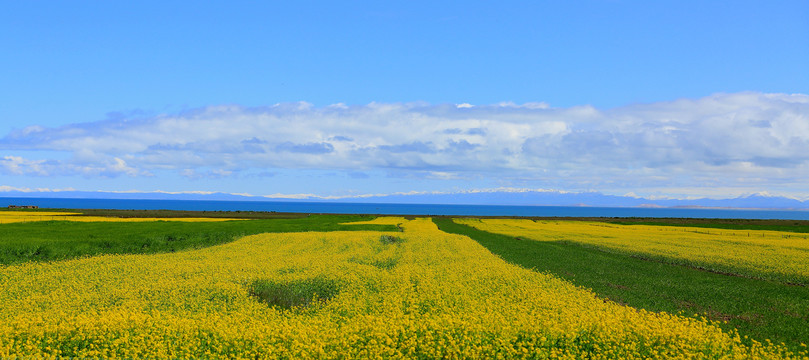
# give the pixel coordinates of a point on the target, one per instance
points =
(431, 295)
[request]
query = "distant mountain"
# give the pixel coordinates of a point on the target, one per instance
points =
(530, 198)
(752, 201)
(594, 199)
(488, 197)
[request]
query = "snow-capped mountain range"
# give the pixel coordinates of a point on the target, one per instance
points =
(475, 197)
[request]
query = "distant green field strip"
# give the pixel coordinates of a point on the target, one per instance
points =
(756, 308)
(772, 255)
(189, 213)
(58, 240)
(797, 227)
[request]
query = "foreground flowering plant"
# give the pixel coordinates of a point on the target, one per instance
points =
(428, 294)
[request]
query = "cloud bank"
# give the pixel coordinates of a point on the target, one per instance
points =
(742, 139)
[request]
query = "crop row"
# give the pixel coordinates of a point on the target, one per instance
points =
(428, 294)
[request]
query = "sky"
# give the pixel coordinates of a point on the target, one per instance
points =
(668, 99)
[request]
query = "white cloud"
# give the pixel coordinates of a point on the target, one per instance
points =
(755, 139)
(106, 167)
(6, 188)
(16, 165)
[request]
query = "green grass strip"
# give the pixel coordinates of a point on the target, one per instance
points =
(756, 308)
(795, 226)
(59, 240)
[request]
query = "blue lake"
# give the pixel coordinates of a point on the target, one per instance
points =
(403, 209)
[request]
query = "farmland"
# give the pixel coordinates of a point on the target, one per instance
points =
(756, 308)
(772, 255)
(326, 287)
(37, 237)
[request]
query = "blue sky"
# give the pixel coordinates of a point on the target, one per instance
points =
(668, 98)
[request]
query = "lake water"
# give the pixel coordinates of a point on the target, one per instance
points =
(403, 209)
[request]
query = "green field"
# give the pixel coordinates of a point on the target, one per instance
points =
(59, 240)
(760, 310)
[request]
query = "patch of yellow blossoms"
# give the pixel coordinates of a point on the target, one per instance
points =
(445, 297)
(774, 255)
(7, 217)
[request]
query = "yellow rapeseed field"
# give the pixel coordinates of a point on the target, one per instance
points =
(773, 255)
(30, 216)
(438, 296)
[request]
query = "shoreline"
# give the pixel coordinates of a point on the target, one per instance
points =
(253, 214)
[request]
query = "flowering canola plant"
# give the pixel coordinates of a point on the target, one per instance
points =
(772, 255)
(438, 295)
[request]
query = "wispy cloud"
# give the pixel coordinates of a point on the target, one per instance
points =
(750, 139)
(105, 167)
(6, 188)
